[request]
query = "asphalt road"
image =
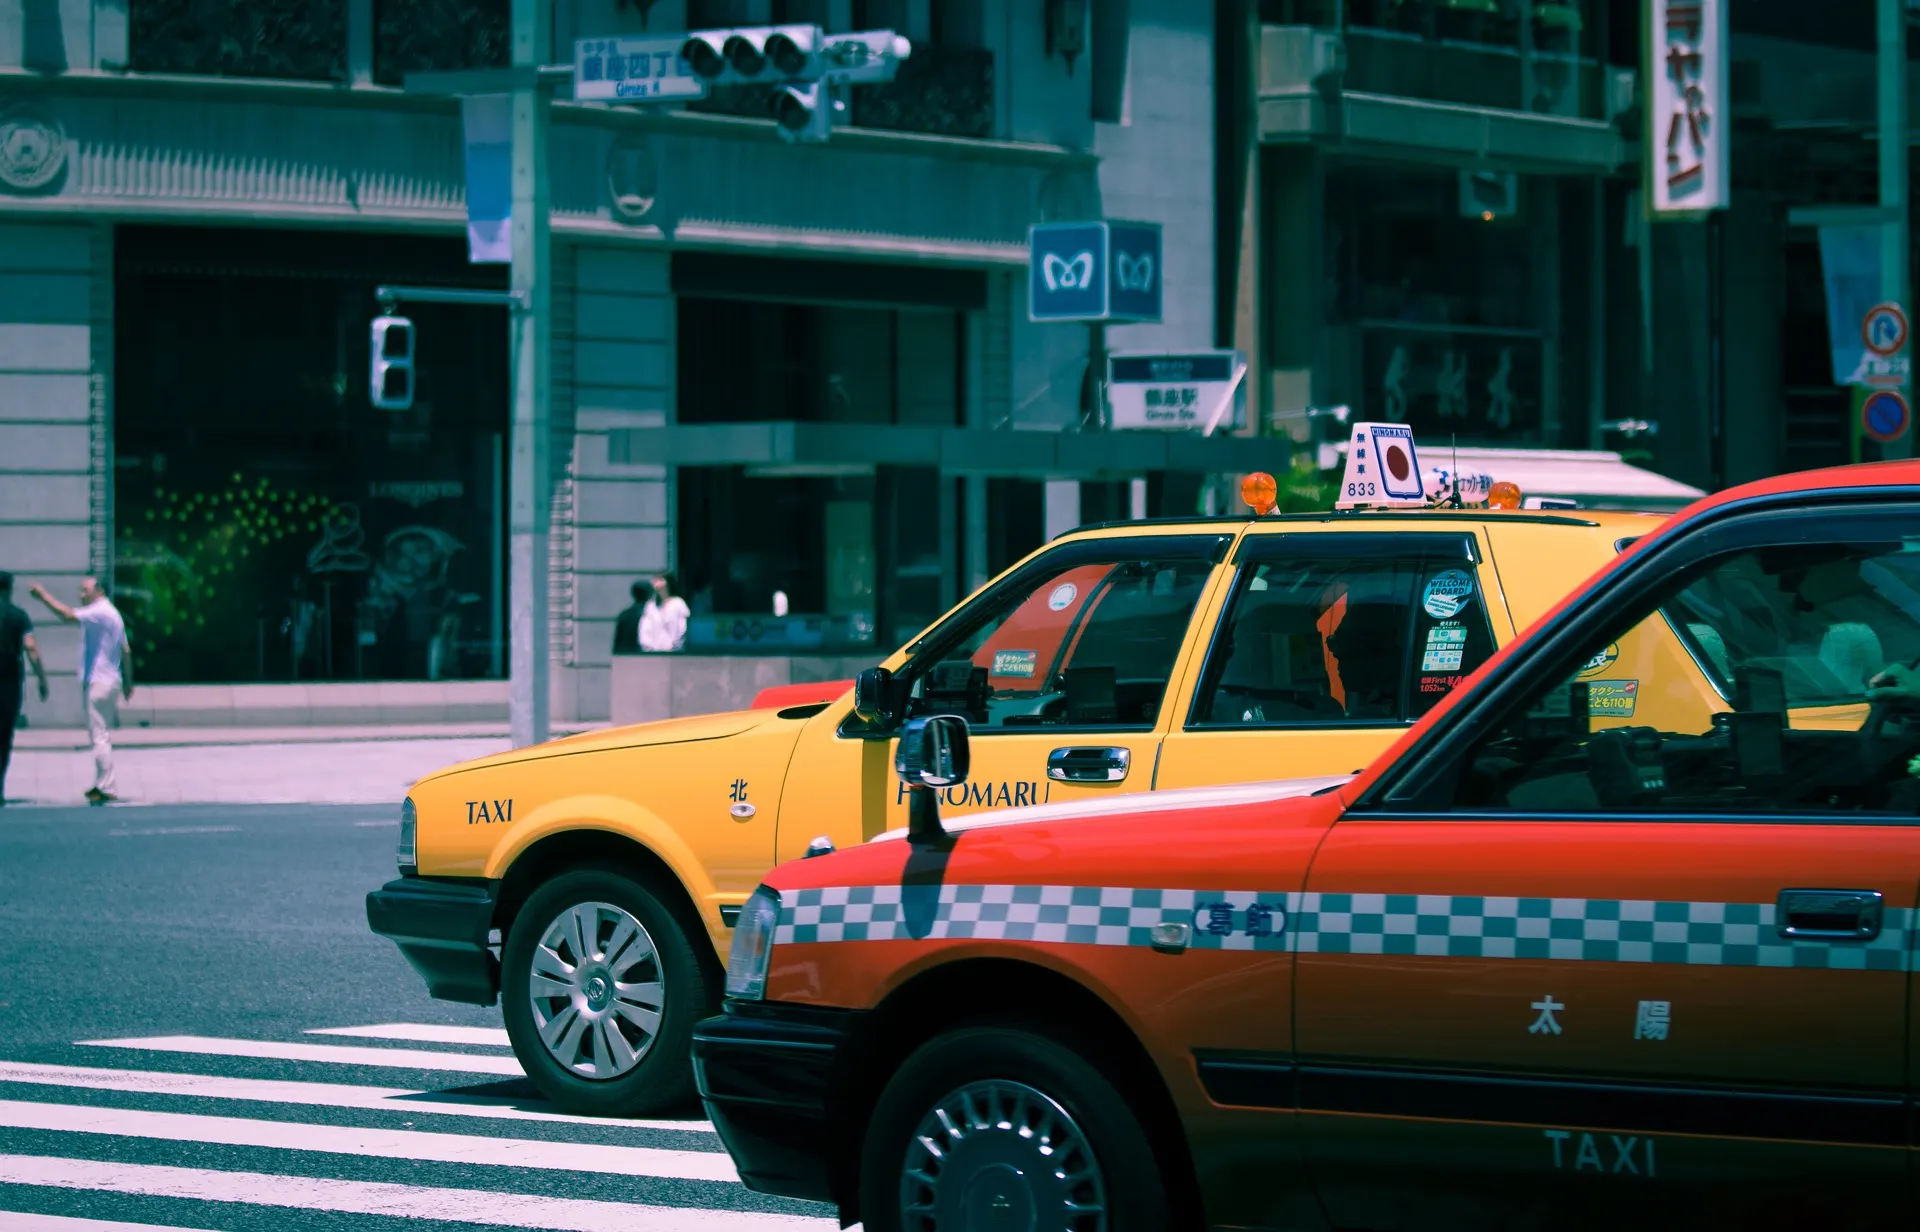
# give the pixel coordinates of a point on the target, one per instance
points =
(228, 944)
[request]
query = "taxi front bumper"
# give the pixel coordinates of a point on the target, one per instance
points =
(441, 925)
(766, 1071)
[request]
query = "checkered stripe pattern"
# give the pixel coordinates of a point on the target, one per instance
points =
(1433, 925)
(1071, 915)
(1583, 930)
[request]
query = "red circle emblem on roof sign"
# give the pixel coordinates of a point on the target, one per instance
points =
(1397, 462)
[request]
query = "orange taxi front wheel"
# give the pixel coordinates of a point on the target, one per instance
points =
(600, 989)
(989, 1127)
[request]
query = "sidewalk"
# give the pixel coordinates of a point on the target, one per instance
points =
(290, 765)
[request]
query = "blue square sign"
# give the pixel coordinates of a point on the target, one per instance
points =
(1067, 271)
(1094, 271)
(1133, 250)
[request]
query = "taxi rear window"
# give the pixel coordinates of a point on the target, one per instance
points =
(1341, 629)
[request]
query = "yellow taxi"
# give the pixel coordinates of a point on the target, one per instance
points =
(592, 882)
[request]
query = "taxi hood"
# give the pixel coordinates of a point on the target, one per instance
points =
(637, 735)
(1137, 802)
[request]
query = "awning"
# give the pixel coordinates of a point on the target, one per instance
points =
(1593, 477)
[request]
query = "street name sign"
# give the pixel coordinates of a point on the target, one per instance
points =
(1174, 392)
(633, 70)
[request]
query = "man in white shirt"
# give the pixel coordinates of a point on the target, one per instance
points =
(663, 622)
(106, 672)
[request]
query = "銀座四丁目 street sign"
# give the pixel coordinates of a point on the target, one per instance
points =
(633, 70)
(1094, 271)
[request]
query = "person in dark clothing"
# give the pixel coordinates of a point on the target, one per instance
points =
(626, 629)
(16, 643)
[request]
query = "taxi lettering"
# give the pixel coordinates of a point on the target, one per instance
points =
(987, 795)
(484, 812)
(1632, 1154)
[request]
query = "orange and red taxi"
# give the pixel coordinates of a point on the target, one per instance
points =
(1548, 962)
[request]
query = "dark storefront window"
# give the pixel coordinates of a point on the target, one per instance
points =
(303, 40)
(1443, 305)
(809, 563)
(417, 36)
(271, 525)
(818, 363)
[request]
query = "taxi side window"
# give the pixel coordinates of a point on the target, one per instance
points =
(1085, 644)
(1331, 629)
(1742, 686)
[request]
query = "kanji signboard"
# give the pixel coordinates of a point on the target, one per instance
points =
(1689, 127)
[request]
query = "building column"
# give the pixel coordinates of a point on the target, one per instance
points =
(54, 436)
(622, 377)
(1291, 332)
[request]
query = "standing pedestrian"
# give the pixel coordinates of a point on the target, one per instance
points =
(663, 622)
(626, 627)
(16, 641)
(106, 672)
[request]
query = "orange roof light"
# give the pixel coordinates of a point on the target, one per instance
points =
(1260, 493)
(1503, 495)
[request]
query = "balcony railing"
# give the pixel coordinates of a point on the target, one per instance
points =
(1535, 56)
(941, 91)
(944, 91)
(300, 40)
(417, 36)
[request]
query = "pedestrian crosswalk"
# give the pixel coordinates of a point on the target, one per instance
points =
(198, 1132)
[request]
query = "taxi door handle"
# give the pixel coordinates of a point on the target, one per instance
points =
(1837, 915)
(1088, 765)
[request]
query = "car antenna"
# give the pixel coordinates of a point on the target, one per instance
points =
(1456, 468)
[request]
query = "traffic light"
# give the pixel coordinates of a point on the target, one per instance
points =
(808, 69)
(391, 386)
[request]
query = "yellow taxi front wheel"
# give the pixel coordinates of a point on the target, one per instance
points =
(600, 989)
(988, 1127)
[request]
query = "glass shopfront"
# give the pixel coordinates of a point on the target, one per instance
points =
(270, 524)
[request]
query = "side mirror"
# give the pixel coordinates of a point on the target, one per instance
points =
(874, 697)
(934, 754)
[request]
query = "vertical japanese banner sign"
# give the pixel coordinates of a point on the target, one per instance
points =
(488, 123)
(1850, 266)
(1689, 130)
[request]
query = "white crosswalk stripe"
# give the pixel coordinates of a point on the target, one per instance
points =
(135, 1140)
(504, 1210)
(336, 1054)
(422, 1033)
(319, 1094)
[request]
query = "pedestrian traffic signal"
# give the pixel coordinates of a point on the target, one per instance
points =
(391, 386)
(807, 69)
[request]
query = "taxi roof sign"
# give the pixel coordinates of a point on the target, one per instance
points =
(1383, 468)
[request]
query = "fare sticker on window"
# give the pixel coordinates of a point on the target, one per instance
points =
(1446, 647)
(1015, 662)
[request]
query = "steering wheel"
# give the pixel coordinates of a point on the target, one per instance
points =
(1876, 749)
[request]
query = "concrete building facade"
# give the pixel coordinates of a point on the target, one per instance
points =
(757, 346)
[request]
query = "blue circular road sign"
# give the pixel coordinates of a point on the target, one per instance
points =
(1884, 415)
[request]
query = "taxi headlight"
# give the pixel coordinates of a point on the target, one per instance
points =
(404, 853)
(753, 945)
